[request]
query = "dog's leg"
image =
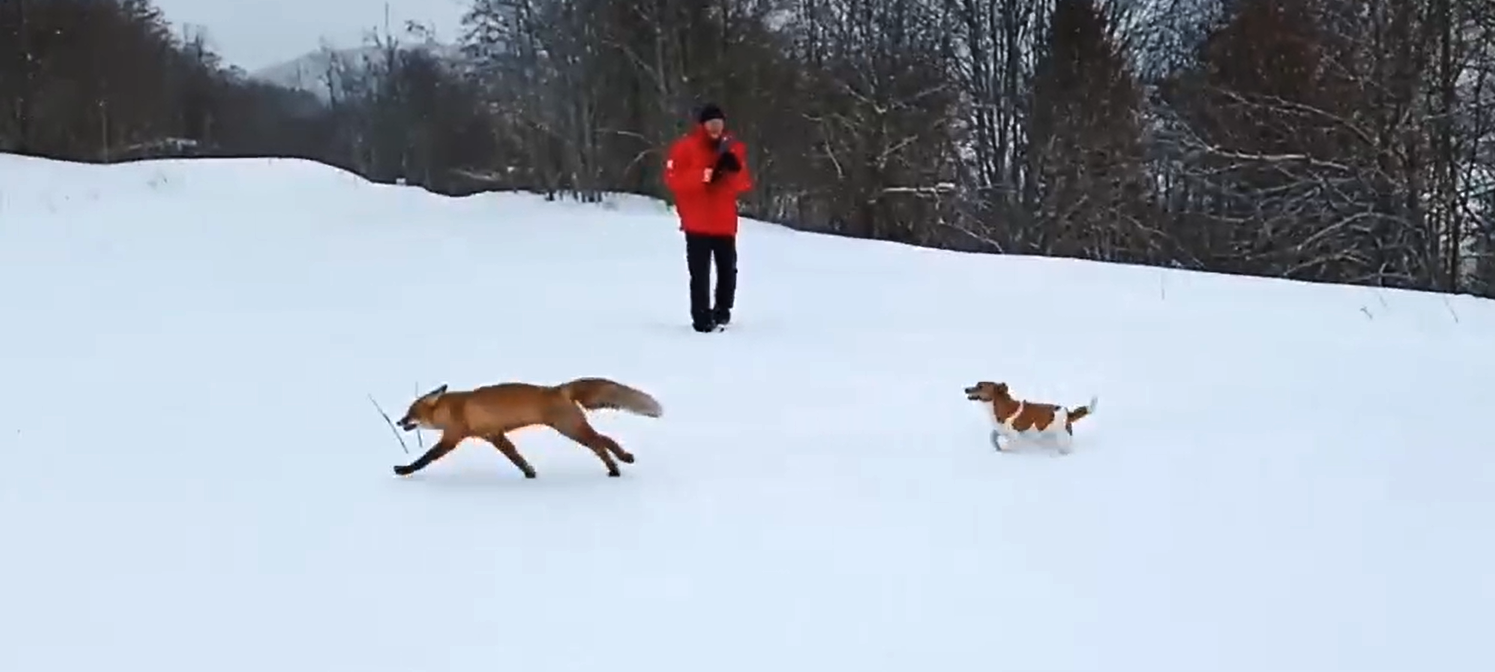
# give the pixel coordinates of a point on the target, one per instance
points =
(1063, 440)
(1000, 437)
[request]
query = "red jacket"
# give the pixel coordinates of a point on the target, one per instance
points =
(705, 208)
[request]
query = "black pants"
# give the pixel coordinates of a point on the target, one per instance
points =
(700, 251)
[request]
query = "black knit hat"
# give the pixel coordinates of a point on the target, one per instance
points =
(710, 111)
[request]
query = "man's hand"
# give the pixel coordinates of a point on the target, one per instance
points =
(727, 163)
(706, 175)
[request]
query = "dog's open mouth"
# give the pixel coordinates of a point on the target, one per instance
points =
(973, 394)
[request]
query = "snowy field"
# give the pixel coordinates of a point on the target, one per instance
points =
(1279, 477)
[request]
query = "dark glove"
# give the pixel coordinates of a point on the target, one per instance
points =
(727, 163)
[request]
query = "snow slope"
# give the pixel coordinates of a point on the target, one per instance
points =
(1280, 476)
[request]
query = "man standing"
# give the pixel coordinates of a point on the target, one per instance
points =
(706, 170)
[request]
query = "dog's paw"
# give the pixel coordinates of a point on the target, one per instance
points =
(996, 439)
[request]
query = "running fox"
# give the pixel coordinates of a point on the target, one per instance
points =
(491, 411)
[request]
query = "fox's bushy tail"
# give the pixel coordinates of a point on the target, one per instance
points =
(1081, 411)
(595, 393)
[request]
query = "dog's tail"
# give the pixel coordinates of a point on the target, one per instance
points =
(1081, 411)
(595, 393)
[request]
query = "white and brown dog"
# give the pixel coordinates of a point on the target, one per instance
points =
(1016, 419)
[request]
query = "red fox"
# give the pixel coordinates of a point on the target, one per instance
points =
(491, 411)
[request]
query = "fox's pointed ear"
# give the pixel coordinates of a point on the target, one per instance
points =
(436, 392)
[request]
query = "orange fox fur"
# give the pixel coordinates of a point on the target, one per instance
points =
(491, 411)
(1015, 418)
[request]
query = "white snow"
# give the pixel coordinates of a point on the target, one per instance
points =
(1280, 476)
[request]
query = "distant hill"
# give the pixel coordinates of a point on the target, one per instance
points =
(308, 72)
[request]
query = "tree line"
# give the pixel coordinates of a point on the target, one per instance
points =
(1323, 140)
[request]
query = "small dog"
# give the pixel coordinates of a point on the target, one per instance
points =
(1017, 419)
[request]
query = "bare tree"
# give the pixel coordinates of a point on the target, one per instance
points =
(1085, 153)
(1326, 140)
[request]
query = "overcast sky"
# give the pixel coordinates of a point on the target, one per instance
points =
(254, 34)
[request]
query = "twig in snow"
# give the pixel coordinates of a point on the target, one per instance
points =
(391, 424)
(419, 442)
(1448, 305)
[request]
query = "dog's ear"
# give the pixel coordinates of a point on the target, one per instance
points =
(1000, 388)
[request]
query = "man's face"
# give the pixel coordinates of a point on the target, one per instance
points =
(714, 127)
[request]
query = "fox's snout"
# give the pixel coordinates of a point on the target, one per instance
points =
(407, 423)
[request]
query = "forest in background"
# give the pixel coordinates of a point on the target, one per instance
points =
(1343, 141)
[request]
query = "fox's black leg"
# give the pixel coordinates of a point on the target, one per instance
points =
(436, 452)
(510, 451)
(601, 446)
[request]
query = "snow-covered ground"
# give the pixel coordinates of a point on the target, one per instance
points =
(1280, 476)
